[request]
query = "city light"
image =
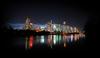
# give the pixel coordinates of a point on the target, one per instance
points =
(54, 41)
(42, 25)
(54, 34)
(31, 41)
(71, 38)
(26, 43)
(50, 27)
(42, 39)
(65, 45)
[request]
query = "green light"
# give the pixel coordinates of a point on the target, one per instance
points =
(26, 43)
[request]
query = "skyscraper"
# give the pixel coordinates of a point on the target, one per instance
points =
(28, 24)
(49, 26)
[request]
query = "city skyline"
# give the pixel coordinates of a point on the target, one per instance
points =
(43, 11)
(81, 14)
(48, 27)
(19, 25)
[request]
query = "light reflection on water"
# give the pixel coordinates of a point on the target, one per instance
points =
(51, 40)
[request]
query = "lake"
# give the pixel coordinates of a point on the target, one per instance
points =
(48, 41)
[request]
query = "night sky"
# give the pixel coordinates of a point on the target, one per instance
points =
(73, 12)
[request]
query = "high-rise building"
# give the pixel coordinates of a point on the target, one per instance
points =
(28, 24)
(49, 26)
(63, 27)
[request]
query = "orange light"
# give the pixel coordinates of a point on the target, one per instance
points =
(37, 31)
(65, 45)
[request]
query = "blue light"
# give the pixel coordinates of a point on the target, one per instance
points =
(17, 26)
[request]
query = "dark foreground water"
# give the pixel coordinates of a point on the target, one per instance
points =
(42, 43)
(48, 41)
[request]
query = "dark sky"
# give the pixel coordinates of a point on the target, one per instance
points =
(75, 13)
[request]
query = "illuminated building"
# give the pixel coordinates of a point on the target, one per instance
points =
(64, 27)
(28, 24)
(51, 27)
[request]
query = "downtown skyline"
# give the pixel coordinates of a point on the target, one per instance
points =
(44, 11)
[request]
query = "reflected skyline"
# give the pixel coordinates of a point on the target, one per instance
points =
(51, 41)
